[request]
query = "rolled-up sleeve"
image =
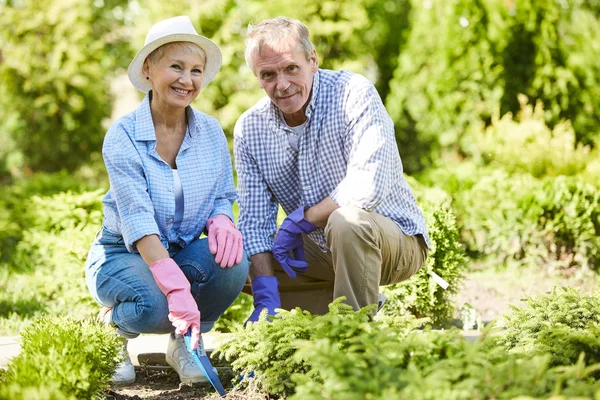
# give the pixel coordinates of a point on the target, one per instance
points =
(129, 187)
(371, 148)
(258, 210)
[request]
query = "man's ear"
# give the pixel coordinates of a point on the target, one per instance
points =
(314, 61)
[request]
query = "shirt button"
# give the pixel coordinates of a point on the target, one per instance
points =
(170, 189)
(307, 188)
(170, 220)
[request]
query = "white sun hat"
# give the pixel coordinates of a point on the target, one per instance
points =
(176, 29)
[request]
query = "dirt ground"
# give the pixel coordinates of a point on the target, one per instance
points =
(489, 293)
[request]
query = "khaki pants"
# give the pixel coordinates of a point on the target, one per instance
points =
(367, 250)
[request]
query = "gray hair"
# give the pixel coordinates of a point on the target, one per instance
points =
(272, 32)
(159, 53)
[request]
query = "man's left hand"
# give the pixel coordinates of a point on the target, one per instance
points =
(289, 238)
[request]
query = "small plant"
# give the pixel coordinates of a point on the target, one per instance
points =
(63, 357)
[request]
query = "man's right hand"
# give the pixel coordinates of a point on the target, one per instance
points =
(183, 310)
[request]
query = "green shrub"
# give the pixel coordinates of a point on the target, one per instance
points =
(552, 222)
(421, 295)
(42, 391)
(563, 323)
(75, 358)
(268, 349)
(525, 144)
(17, 207)
(46, 265)
(465, 59)
(343, 356)
(55, 91)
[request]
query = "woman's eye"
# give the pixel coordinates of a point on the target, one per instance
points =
(176, 66)
(197, 71)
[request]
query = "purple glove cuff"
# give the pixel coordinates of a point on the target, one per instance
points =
(297, 217)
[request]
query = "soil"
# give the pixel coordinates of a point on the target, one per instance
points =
(490, 293)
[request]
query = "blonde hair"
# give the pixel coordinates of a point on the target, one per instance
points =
(273, 32)
(159, 53)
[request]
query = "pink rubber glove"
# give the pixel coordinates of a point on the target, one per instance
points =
(224, 241)
(183, 310)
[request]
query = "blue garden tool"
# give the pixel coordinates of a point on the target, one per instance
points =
(203, 362)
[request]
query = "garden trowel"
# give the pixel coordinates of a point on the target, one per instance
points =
(203, 362)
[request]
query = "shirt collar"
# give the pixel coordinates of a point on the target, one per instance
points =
(144, 127)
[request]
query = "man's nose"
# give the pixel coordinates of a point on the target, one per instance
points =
(282, 83)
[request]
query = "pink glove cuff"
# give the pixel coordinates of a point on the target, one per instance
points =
(168, 276)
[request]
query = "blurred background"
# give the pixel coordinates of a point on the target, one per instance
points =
(496, 105)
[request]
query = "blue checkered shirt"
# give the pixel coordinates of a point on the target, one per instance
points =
(141, 198)
(348, 151)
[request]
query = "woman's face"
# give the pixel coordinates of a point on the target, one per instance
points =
(176, 77)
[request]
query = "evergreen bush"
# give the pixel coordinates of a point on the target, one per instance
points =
(341, 356)
(563, 323)
(420, 294)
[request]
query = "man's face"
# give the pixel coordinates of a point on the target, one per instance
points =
(286, 75)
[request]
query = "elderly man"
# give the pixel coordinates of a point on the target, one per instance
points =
(321, 145)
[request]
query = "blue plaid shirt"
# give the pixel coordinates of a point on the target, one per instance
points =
(141, 198)
(348, 151)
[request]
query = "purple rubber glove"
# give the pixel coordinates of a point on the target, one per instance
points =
(289, 238)
(266, 295)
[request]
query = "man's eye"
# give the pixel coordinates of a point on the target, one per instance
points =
(266, 75)
(292, 68)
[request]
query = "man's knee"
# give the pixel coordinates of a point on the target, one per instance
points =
(348, 221)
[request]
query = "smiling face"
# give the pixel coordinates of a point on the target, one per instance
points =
(176, 75)
(286, 75)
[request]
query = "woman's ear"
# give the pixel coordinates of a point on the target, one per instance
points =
(146, 68)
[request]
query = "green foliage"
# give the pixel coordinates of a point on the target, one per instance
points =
(553, 222)
(57, 57)
(268, 349)
(45, 265)
(343, 356)
(420, 294)
(465, 59)
(63, 358)
(526, 144)
(564, 323)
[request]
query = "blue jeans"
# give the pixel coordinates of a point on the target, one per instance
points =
(123, 281)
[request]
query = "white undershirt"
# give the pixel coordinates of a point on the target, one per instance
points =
(295, 137)
(178, 200)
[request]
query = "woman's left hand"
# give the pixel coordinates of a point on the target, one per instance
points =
(224, 241)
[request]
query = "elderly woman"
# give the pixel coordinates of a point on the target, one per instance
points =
(170, 180)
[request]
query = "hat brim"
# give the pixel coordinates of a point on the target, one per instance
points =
(212, 66)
